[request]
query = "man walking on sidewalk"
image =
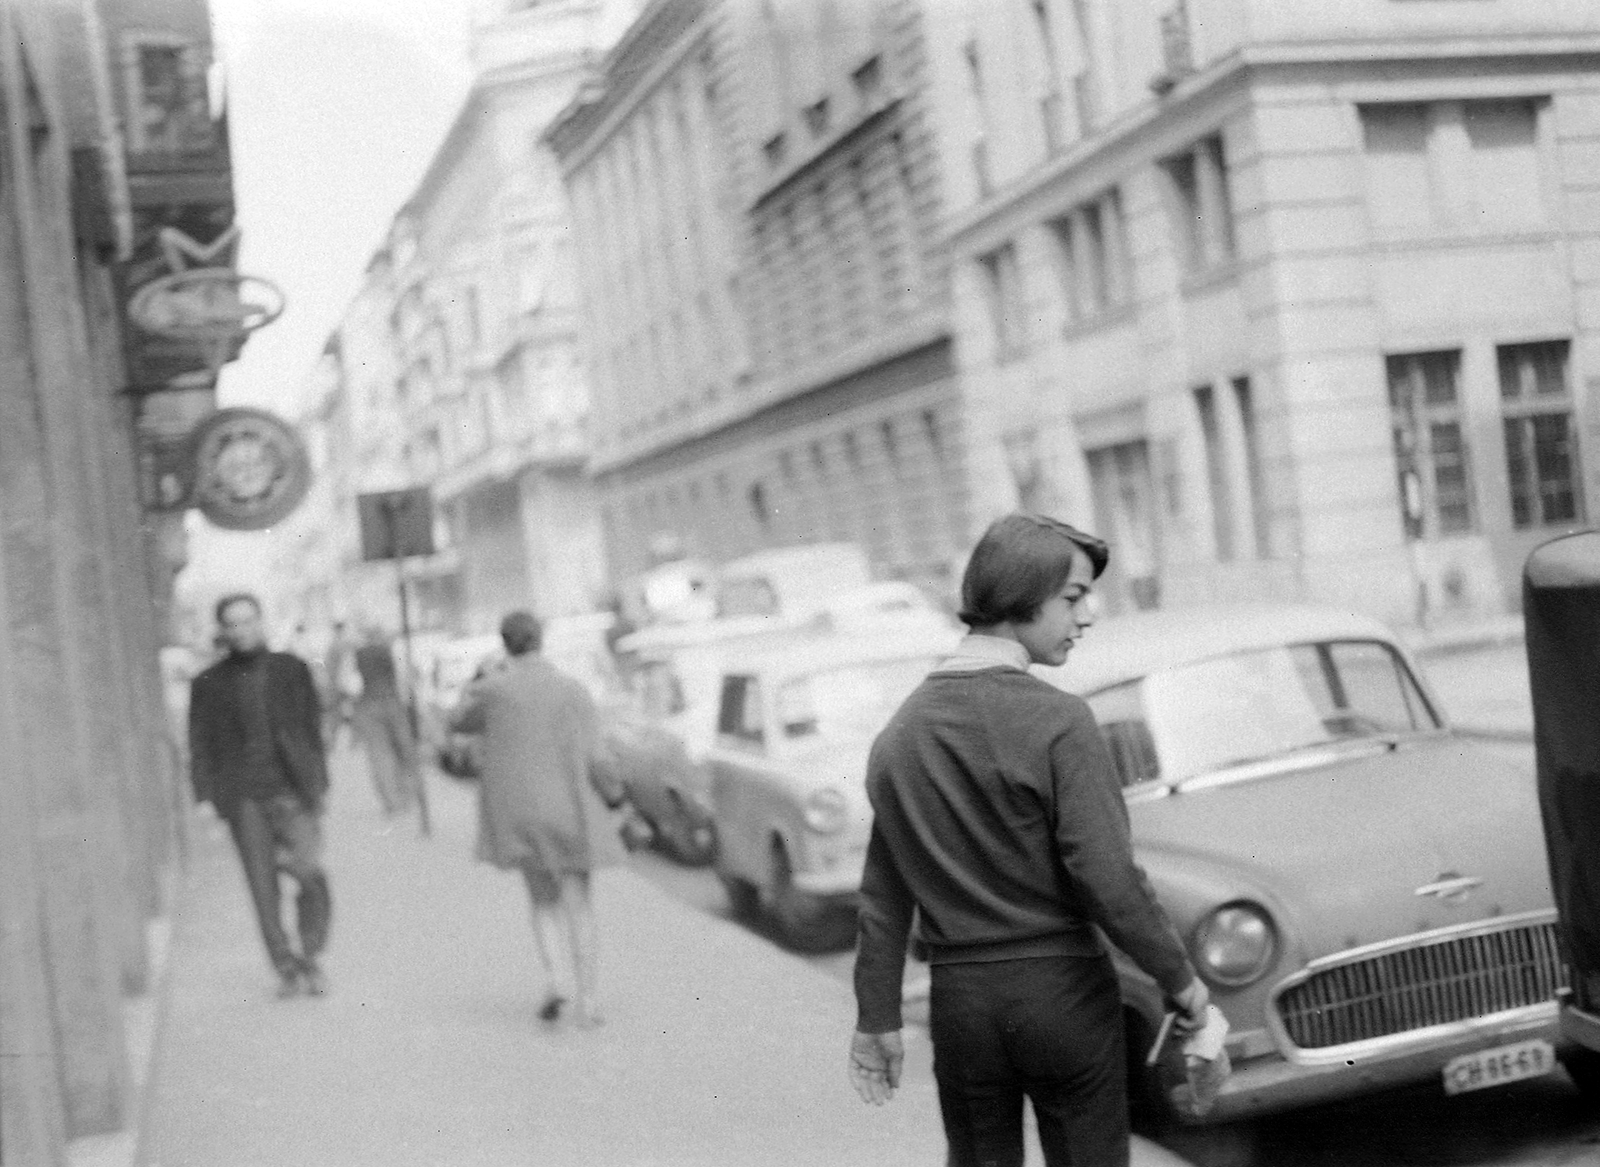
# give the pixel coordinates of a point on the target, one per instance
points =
(540, 808)
(256, 754)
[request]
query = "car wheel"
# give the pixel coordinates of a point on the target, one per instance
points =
(1583, 1067)
(743, 899)
(804, 922)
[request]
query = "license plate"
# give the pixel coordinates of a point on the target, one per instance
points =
(1498, 1066)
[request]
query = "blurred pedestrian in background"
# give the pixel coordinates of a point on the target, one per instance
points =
(999, 822)
(256, 755)
(382, 727)
(341, 683)
(543, 796)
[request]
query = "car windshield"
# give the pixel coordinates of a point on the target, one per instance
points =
(1206, 715)
(848, 701)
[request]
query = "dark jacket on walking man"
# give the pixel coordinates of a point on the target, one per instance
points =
(256, 755)
(999, 827)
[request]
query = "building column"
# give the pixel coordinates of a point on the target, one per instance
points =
(46, 567)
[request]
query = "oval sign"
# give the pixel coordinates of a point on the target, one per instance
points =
(205, 303)
(250, 469)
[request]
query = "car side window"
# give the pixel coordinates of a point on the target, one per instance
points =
(740, 714)
(1362, 687)
(1119, 712)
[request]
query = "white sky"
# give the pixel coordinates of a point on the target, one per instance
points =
(335, 108)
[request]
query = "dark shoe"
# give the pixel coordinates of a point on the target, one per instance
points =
(551, 1009)
(288, 986)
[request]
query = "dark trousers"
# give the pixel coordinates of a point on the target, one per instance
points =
(281, 835)
(1046, 1028)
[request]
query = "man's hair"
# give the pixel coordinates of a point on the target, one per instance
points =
(521, 632)
(233, 598)
(1021, 561)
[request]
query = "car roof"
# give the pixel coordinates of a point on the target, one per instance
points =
(1124, 648)
(814, 652)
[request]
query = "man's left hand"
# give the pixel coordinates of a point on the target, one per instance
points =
(875, 1061)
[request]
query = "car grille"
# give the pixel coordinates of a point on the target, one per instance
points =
(1447, 980)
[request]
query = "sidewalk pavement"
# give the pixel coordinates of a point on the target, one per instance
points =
(718, 1048)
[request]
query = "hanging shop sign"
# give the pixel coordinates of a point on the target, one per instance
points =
(250, 469)
(205, 303)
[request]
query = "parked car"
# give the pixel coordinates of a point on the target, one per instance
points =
(1561, 608)
(1364, 891)
(788, 774)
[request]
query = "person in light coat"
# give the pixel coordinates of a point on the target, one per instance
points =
(544, 794)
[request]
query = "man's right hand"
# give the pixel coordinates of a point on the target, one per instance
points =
(875, 1061)
(1191, 1006)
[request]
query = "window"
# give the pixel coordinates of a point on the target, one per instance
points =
(868, 81)
(817, 118)
(1050, 105)
(1216, 473)
(1201, 204)
(1119, 712)
(1430, 451)
(980, 148)
(169, 108)
(1003, 282)
(1255, 475)
(1453, 166)
(740, 713)
(1091, 249)
(1541, 455)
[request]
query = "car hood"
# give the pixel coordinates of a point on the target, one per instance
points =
(1339, 852)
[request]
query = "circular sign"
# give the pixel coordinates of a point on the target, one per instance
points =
(205, 303)
(250, 469)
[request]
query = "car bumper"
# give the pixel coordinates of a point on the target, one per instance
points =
(1271, 1083)
(1579, 1027)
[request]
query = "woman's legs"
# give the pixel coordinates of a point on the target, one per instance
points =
(550, 937)
(578, 913)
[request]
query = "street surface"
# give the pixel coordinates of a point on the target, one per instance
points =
(1539, 1122)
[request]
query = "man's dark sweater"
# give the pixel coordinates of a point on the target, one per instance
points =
(999, 817)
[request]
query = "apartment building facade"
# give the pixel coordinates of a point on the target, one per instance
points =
(756, 196)
(457, 365)
(1285, 300)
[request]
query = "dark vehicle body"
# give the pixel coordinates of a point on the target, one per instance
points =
(1561, 607)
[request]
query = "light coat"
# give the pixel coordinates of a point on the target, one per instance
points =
(542, 770)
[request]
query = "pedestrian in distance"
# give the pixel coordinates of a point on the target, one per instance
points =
(999, 823)
(256, 754)
(341, 683)
(543, 798)
(382, 726)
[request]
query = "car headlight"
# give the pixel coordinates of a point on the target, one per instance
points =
(1236, 944)
(827, 811)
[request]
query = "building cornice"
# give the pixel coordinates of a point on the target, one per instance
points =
(920, 332)
(651, 50)
(972, 228)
